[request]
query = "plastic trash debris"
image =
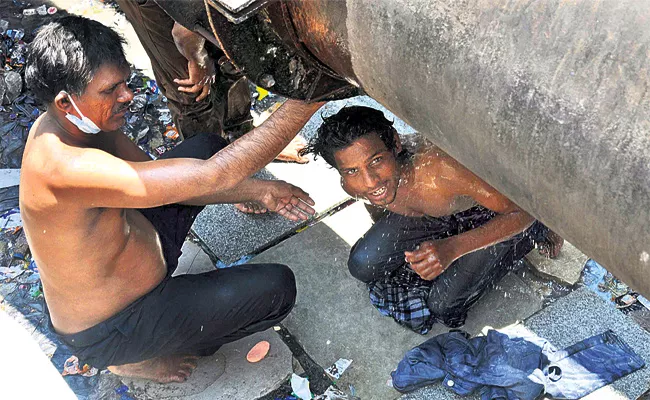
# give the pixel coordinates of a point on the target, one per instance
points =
(258, 352)
(4, 24)
(122, 389)
(300, 387)
(172, 133)
(339, 367)
(29, 11)
(14, 85)
(332, 393)
(644, 301)
(625, 301)
(36, 292)
(42, 10)
(52, 10)
(71, 367)
(15, 34)
(10, 219)
(262, 93)
(10, 272)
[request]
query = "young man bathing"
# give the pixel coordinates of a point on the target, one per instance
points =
(442, 235)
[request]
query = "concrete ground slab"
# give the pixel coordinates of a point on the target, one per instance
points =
(567, 267)
(582, 314)
(227, 375)
(242, 380)
(333, 317)
(193, 260)
(208, 370)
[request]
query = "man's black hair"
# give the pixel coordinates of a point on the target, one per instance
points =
(66, 54)
(348, 125)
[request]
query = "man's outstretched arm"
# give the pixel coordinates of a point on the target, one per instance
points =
(98, 179)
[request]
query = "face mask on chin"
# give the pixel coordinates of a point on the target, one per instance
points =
(84, 124)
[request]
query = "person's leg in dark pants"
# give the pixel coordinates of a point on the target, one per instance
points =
(154, 29)
(466, 279)
(381, 250)
(196, 314)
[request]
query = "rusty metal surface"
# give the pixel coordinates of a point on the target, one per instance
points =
(320, 24)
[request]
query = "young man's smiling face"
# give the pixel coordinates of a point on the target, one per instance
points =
(369, 170)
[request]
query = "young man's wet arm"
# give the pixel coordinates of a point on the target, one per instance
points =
(509, 221)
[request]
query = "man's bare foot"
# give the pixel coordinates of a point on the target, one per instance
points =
(251, 207)
(552, 246)
(291, 153)
(168, 369)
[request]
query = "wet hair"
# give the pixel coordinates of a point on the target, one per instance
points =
(349, 124)
(66, 54)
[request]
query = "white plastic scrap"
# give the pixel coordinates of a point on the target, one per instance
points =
(644, 301)
(332, 393)
(300, 387)
(339, 367)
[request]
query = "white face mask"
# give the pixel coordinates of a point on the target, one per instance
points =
(84, 124)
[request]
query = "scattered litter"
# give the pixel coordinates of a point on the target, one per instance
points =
(625, 301)
(300, 387)
(122, 389)
(328, 342)
(29, 11)
(609, 288)
(13, 86)
(10, 272)
(36, 292)
(262, 93)
(339, 367)
(4, 24)
(276, 328)
(332, 393)
(11, 219)
(644, 301)
(42, 10)
(258, 352)
(71, 367)
(52, 10)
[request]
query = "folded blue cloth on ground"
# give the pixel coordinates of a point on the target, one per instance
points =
(502, 366)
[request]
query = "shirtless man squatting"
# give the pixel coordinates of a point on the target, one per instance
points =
(105, 223)
(441, 234)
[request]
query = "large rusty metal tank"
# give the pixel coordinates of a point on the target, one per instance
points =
(547, 101)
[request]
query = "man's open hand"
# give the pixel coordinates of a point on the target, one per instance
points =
(287, 200)
(201, 77)
(430, 258)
